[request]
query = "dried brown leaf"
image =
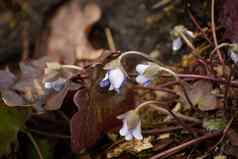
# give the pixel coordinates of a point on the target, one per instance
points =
(7, 79)
(233, 137)
(12, 99)
(135, 146)
(68, 38)
(97, 111)
(200, 94)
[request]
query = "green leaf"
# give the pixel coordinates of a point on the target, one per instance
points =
(214, 124)
(11, 121)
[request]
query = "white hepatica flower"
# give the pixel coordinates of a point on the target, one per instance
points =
(114, 78)
(131, 127)
(179, 33)
(141, 78)
(234, 56)
(177, 44)
(56, 85)
(189, 34)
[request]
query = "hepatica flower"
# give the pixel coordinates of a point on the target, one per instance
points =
(131, 127)
(177, 44)
(141, 78)
(180, 34)
(233, 51)
(113, 78)
(56, 85)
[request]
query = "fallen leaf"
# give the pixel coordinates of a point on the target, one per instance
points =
(231, 150)
(7, 79)
(164, 136)
(233, 137)
(200, 94)
(12, 99)
(220, 157)
(135, 146)
(216, 124)
(68, 37)
(97, 111)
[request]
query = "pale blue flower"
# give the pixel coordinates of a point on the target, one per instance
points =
(131, 127)
(56, 85)
(114, 78)
(234, 56)
(177, 44)
(141, 78)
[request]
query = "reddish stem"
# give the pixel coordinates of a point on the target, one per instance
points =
(180, 147)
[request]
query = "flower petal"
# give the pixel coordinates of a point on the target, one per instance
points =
(122, 116)
(116, 77)
(136, 132)
(234, 56)
(111, 87)
(190, 33)
(140, 68)
(177, 44)
(143, 80)
(59, 84)
(48, 85)
(105, 81)
(128, 136)
(124, 130)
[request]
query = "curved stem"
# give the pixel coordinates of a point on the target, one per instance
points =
(132, 53)
(53, 135)
(35, 145)
(165, 111)
(181, 84)
(218, 47)
(72, 67)
(135, 53)
(187, 41)
(214, 31)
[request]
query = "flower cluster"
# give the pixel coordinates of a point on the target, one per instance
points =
(114, 78)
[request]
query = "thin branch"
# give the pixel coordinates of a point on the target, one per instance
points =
(110, 40)
(214, 31)
(49, 134)
(165, 111)
(180, 147)
(38, 151)
(198, 26)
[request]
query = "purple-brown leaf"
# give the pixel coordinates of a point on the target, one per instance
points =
(97, 111)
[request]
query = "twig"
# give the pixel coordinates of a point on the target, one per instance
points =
(214, 32)
(198, 26)
(163, 130)
(170, 91)
(180, 147)
(218, 47)
(232, 83)
(64, 116)
(225, 131)
(38, 151)
(48, 134)
(72, 67)
(164, 110)
(110, 40)
(227, 88)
